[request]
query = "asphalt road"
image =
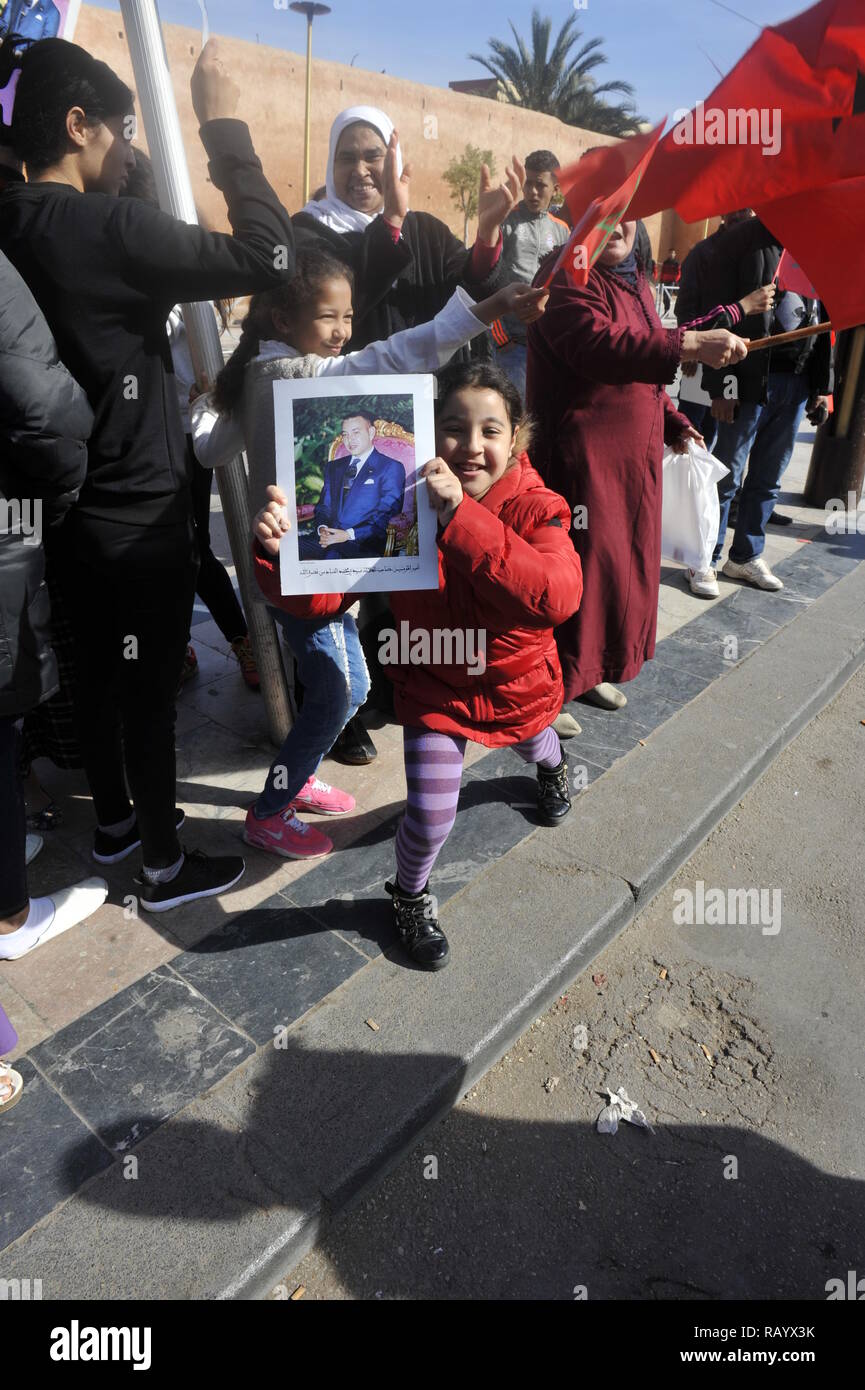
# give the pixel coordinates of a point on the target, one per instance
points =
(742, 1042)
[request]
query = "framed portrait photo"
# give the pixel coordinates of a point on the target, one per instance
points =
(33, 20)
(349, 451)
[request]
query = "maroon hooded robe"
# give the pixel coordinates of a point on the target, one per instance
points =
(596, 363)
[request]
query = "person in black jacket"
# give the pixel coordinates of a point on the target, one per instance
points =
(44, 424)
(106, 271)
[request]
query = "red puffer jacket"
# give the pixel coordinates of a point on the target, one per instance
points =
(507, 569)
(508, 574)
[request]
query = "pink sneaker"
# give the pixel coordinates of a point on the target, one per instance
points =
(319, 796)
(286, 835)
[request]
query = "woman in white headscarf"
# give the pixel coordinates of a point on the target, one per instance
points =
(406, 264)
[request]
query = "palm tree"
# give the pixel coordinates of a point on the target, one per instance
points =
(559, 82)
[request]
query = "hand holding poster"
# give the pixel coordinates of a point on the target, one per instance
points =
(348, 456)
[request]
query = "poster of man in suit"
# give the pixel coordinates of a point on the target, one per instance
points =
(361, 492)
(349, 452)
(33, 19)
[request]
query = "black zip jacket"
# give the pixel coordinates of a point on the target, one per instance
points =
(105, 272)
(44, 424)
(744, 257)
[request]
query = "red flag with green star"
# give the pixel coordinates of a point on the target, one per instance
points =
(598, 190)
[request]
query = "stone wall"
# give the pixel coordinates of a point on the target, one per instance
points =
(434, 123)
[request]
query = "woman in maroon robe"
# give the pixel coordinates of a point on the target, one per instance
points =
(597, 364)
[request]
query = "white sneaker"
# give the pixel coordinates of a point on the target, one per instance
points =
(50, 917)
(755, 572)
(704, 583)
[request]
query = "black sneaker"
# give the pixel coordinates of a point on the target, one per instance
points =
(202, 876)
(418, 927)
(554, 794)
(110, 849)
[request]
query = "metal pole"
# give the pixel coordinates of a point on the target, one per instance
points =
(308, 108)
(161, 124)
(310, 8)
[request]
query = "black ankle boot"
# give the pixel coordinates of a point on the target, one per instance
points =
(354, 745)
(418, 927)
(554, 794)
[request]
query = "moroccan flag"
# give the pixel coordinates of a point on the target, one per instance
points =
(821, 229)
(598, 190)
(791, 276)
(807, 75)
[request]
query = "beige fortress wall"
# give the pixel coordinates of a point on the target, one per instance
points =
(272, 103)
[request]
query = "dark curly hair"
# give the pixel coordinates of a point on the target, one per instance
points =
(313, 267)
(483, 376)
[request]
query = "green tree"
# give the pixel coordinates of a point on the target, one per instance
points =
(463, 176)
(559, 81)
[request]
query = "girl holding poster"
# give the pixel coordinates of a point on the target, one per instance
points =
(303, 326)
(508, 574)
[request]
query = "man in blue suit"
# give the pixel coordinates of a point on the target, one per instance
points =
(31, 19)
(360, 495)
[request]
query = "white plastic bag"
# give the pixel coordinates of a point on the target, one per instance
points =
(691, 512)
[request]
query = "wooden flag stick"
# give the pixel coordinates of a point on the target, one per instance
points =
(792, 337)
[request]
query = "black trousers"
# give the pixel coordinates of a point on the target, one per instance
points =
(13, 826)
(131, 594)
(214, 587)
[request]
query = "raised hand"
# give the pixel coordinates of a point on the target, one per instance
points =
(215, 93)
(395, 187)
(495, 201)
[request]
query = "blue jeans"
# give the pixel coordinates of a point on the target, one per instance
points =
(512, 361)
(768, 433)
(331, 665)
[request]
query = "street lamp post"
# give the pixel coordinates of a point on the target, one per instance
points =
(310, 10)
(162, 127)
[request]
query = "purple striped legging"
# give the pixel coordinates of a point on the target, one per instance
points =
(433, 772)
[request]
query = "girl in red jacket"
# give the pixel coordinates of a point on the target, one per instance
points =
(508, 574)
(299, 330)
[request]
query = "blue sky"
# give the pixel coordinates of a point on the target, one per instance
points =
(653, 44)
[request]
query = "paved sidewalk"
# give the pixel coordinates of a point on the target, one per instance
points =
(752, 1184)
(127, 1023)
